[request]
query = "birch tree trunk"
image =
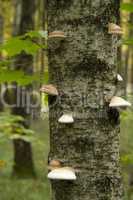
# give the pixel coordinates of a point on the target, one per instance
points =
(83, 67)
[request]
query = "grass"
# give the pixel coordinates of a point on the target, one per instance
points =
(26, 189)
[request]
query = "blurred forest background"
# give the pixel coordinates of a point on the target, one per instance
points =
(24, 132)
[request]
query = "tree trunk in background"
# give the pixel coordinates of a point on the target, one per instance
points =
(130, 90)
(23, 162)
(17, 15)
(1, 41)
(83, 67)
(44, 52)
(130, 60)
(126, 71)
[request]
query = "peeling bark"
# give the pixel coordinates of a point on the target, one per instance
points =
(83, 67)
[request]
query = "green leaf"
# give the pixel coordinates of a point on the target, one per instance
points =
(37, 34)
(127, 7)
(15, 46)
(15, 137)
(128, 41)
(22, 137)
(28, 138)
(20, 77)
(4, 64)
(127, 159)
(28, 132)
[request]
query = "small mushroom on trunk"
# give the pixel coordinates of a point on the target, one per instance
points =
(66, 119)
(49, 89)
(54, 164)
(119, 77)
(115, 29)
(57, 34)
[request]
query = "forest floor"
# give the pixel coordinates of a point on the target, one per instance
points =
(26, 189)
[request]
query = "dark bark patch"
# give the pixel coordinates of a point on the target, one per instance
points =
(114, 116)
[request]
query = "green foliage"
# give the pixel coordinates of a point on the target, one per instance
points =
(128, 41)
(126, 116)
(126, 137)
(37, 34)
(11, 127)
(127, 7)
(4, 64)
(29, 189)
(16, 45)
(28, 43)
(20, 77)
(127, 159)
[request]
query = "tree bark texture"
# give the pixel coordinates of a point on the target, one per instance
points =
(83, 67)
(23, 161)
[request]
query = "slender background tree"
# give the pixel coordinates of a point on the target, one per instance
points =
(24, 22)
(1, 41)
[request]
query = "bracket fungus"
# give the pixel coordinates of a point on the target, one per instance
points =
(63, 173)
(49, 89)
(66, 119)
(115, 29)
(54, 164)
(119, 77)
(57, 34)
(119, 102)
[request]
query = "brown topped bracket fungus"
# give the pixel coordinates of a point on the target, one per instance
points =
(63, 173)
(66, 119)
(119, 102)
(115, 29)
(56, 34)
(58, 172)
(54, 164)
(49, 89)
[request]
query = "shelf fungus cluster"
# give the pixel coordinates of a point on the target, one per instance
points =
(59, 172)
(52, 90)
(114, 29)
(118, 102)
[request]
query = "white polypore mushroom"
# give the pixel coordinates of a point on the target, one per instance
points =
(66, 119)
(119, 77)
(119, 102)
(64, 173)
